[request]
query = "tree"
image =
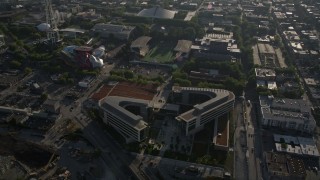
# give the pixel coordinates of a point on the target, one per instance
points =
(36, 35)
(182, 82)
(44, 97)
(27, 70)
(277, 40)
(189, 33)
(15, 64)
(128, 74)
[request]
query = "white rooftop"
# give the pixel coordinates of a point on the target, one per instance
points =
(296, 145)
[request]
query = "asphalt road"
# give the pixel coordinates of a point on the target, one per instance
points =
(254, 144)
(116, 160)
(240, 145)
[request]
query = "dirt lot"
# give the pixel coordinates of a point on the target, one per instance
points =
(31, 154)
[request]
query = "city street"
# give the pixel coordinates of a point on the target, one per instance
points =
(254, 144)
(240, 147)
(115, 161)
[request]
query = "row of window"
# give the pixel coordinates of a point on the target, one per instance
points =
(215, 113)
(122, 126)
(289, 125)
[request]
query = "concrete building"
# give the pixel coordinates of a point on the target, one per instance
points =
(265, 74)
(291, 114)
(284, 166)
(118, 31)
(217, 46)
(128, 110)
(210, 104)
(120, 113)
(296, 145)
(183, 49)
(140, 46)
(267, 54)
(52, 106)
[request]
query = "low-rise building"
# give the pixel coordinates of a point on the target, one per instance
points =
(217, 46)
(140, 46)
(291, 114)
(265, 74)
(266, 78)
(52, 106)
(284, 166)
(267, 54)
(182, 49)
(118, 31)
(296, 145)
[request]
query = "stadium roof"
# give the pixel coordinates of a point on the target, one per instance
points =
(157, 12)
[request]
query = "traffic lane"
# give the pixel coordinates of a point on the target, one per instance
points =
(241, 166)
(114, 153)
(112, 163)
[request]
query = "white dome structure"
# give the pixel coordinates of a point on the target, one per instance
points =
(99, 52)
(96, 62)
(43, 27)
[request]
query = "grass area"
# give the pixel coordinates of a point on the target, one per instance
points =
(161, 53)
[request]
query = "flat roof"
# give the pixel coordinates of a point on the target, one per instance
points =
(216, 95)
(272, 85)
(296, 145)
(310, 81)
(223, 130)
(126, 89)
(264, 72)
(112, 28)
(284, 109)
(266, 48)
(285, 164)
(141, 41)
(73, 30)
(183, 46)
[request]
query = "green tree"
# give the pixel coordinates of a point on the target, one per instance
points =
(44, 97)
(189, 33)
(27, 70)
(15, 64)
(128, 74)
(277, 40)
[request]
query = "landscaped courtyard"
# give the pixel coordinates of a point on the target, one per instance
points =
(162, 53)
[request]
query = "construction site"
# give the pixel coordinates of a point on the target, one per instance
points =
(28, 158)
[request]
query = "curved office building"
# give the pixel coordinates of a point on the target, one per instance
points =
(219, 102)
(129, 114)
(126, 116)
